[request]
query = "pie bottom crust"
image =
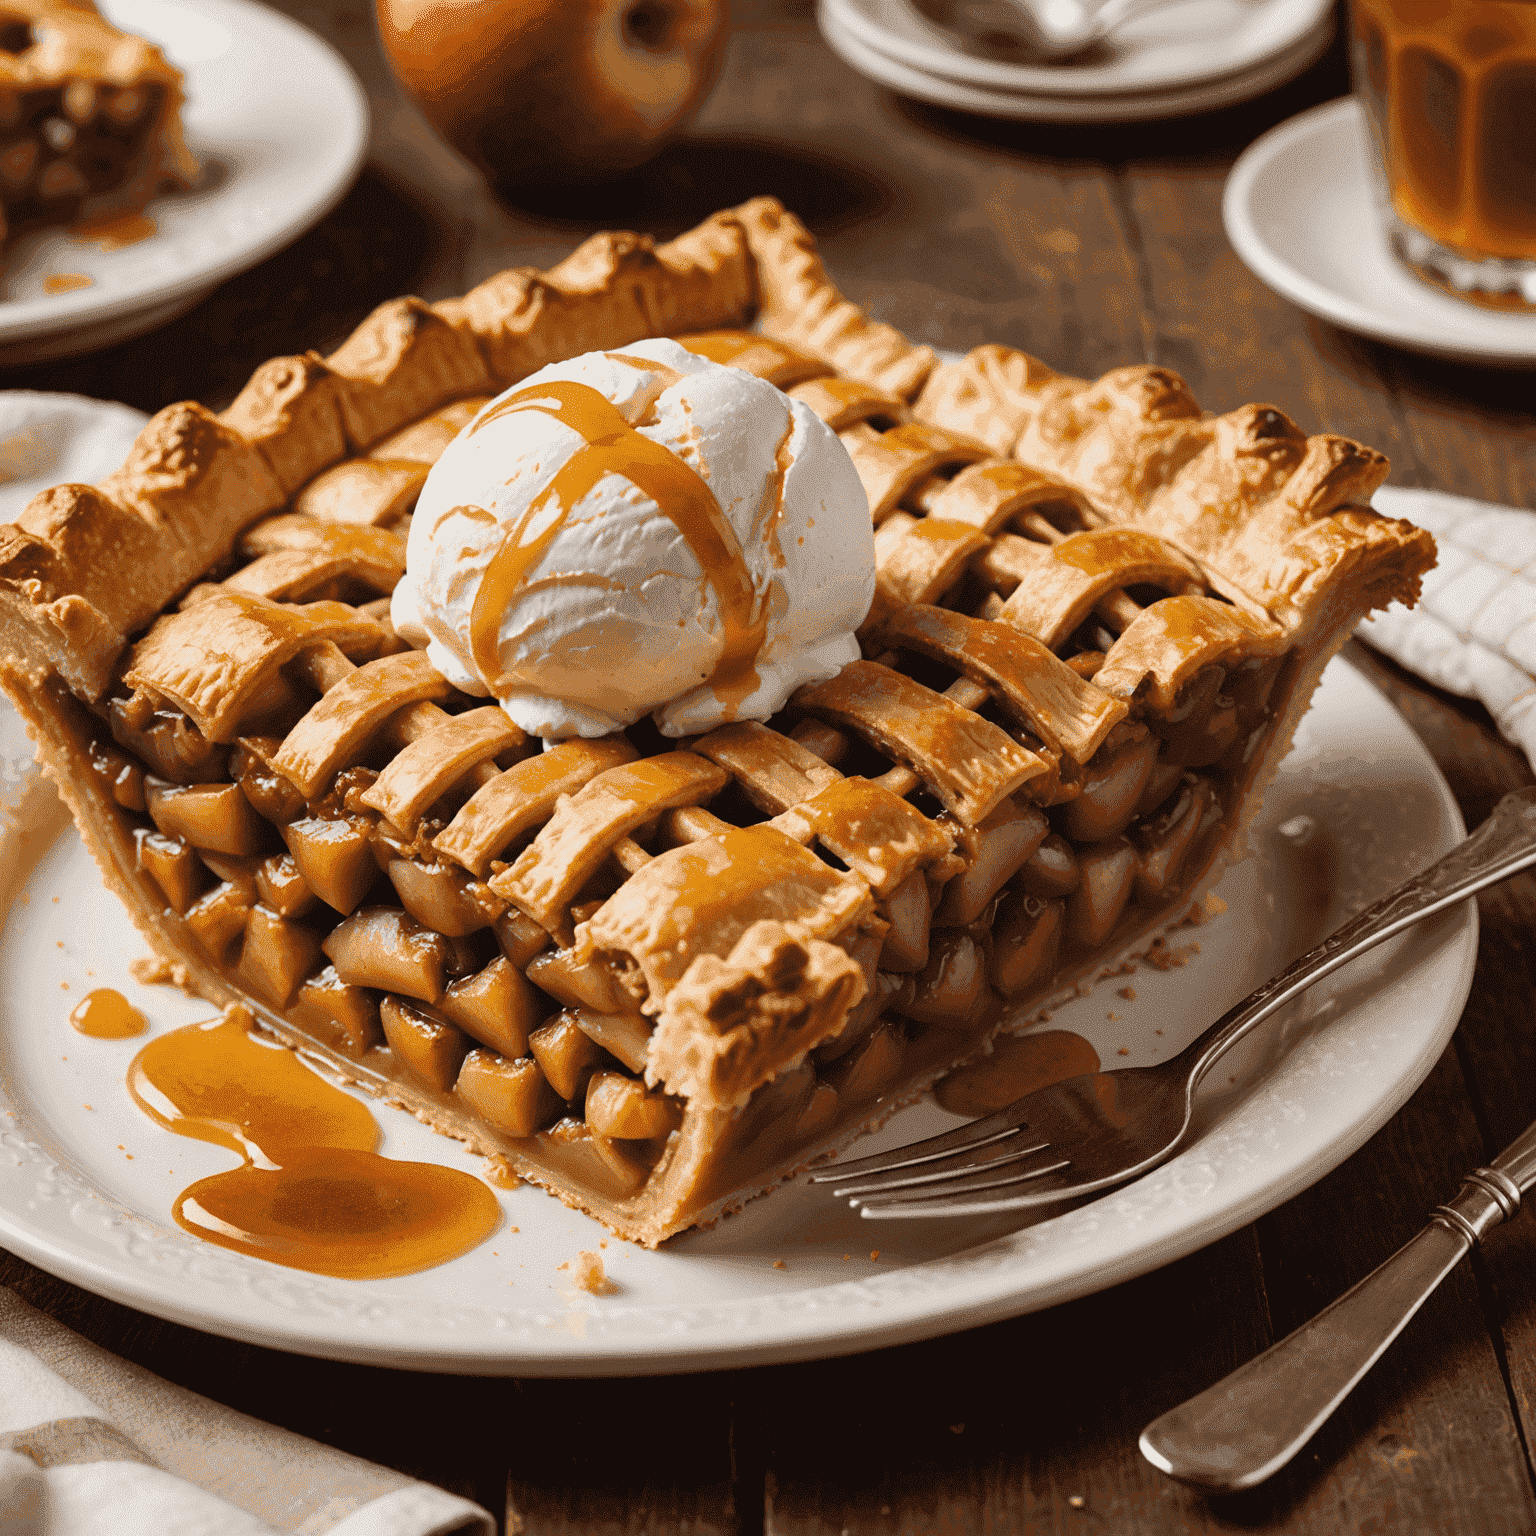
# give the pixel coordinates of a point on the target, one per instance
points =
(1100, 615)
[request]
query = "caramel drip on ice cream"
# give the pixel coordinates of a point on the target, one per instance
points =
(725, 347)
(613, 447)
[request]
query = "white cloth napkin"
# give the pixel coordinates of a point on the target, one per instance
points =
(91, 1445)
(1474, 630)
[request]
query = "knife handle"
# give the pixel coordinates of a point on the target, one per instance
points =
(1249, 1425)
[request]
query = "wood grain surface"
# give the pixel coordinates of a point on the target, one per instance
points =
(1090, 247)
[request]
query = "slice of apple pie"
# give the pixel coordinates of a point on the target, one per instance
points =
(657, 972)
(90, 120)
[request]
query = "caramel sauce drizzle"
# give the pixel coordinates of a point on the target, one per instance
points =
(614, 447)
(726, 346)
(312, 1192)
(1019, 1064)
(106, 1014)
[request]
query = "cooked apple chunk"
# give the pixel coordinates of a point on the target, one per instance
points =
(431, 1047)
(497, 1006)
(386, 948)
(619, 1106)
(213, 816)
(513, 1095)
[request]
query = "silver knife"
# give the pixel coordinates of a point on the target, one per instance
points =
(1249, 1425)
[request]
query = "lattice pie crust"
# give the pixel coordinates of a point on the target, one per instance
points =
(656, 976)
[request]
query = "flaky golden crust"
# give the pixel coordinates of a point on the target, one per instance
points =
(798, 303)
(731, 1025)
(1276, 517)
(1134, 443)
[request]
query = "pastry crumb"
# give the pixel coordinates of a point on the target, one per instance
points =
(846, 1257)
(152, 971)
(1166, 957)
(780, 1264)
(1123, 1051)
(587, 1271)
(874, 1253)
(498, 1171)
(1077, 1501)
(1128, 993)
(957, 1429)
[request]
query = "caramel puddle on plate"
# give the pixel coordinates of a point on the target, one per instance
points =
(106, 1014)
(66, 282)
(1019, 1064)
(116, 230)
(313, 1194)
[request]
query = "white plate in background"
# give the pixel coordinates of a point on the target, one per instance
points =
(1307, 1092)
(279, 124)
(1300, 210)
(1180, 45)
(1072, 107)
(49, 439)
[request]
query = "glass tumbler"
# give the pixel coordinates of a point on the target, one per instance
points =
(1449, 90)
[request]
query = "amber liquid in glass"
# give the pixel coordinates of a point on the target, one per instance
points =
(1449, 87)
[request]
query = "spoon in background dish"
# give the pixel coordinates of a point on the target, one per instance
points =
(1035, 31)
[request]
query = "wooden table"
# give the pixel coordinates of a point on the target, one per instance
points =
(1090, 247)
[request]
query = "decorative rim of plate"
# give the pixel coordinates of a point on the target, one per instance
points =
(1278, 27)
(53, 1215)
(1335, 134)
(330, 169)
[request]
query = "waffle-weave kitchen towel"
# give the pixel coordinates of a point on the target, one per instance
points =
(91, 1445)
(1474, 630)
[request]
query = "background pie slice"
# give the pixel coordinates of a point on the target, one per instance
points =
(656, 976)
(90, 121)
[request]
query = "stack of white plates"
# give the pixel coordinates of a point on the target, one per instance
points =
(1188, 56)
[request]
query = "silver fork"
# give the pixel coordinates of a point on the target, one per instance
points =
(1092, 1132)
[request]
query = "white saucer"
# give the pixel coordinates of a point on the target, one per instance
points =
(1126, 107)
(1300, 209)
(1182, 45)
(278, 122)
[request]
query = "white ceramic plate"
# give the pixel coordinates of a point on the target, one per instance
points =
(52, 439)
(1300, 209)
(1126, 107)
(87, 1182)
(279, 123)
(1183, 44)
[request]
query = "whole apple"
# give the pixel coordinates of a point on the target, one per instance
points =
(541, 91)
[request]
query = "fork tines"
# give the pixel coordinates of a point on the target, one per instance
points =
(987, 1154)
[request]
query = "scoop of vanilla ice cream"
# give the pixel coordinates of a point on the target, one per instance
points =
(540, 572)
